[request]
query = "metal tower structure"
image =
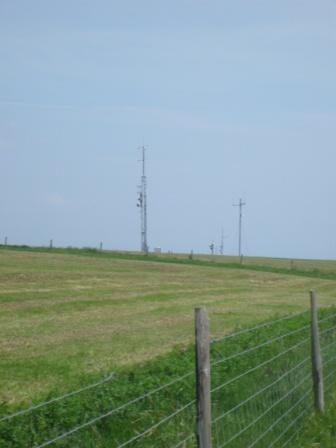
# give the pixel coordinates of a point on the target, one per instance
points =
(240, 205)
(221, 247)
(142, 202)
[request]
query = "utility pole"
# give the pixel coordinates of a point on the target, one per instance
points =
(240, 205)
(142, 202)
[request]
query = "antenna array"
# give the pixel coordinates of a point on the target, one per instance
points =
(142, 202)
(240, 205)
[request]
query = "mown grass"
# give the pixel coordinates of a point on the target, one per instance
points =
(68, 315)
(325, 269)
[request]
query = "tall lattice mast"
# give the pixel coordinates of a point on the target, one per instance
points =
(240, 205)
(142, 203)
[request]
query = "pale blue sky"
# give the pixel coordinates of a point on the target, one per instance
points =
(233, 99)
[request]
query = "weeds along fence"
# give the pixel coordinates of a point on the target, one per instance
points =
(253, 388)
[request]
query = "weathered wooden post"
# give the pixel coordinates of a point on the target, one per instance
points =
(317, 370)
(203, 378)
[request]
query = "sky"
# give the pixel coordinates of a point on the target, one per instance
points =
(232, 99)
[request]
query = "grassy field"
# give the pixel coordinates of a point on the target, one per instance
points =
(70, 317)
(64, 317)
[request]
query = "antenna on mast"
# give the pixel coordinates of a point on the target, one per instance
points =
(240, 205)
(142, 202)
(221, 247)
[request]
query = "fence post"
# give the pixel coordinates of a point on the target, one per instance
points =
(317, 370)
(203, 398)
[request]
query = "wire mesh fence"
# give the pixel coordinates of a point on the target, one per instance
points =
(262, 389)
(261, 396)
(152, 406)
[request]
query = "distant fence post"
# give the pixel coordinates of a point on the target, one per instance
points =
(203, 378)
(317, 370)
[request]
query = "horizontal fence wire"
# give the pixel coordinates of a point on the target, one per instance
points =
(258, 390)
(293, 423)
(139, 436)
(258, 366)
(256, 347)
(324, 319)
(56, 399)
(122, 408)
(297, 431)
(259, 327)
(261, 392)
(273, 425)
(108, 416)
(183, 442)
(128, 442)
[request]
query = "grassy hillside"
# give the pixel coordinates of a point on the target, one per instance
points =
(65, 316)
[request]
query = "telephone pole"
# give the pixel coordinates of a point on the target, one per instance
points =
(142, 202)
(240, 205)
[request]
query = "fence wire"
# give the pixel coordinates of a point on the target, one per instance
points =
(113, 413)
(261, 394)
(262, 384)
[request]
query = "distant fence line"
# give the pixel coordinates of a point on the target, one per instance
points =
(246, 389)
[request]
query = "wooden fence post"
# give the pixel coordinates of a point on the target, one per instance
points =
(317, 370)
(203, 378)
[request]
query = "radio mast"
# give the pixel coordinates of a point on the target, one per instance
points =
(240, 205)
(142, 202)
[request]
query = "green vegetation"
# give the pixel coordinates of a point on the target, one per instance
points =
(325, 269)
(69, 317)
(320, 431)
(130, 382)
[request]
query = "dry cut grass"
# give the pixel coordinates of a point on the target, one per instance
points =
(64, 316)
